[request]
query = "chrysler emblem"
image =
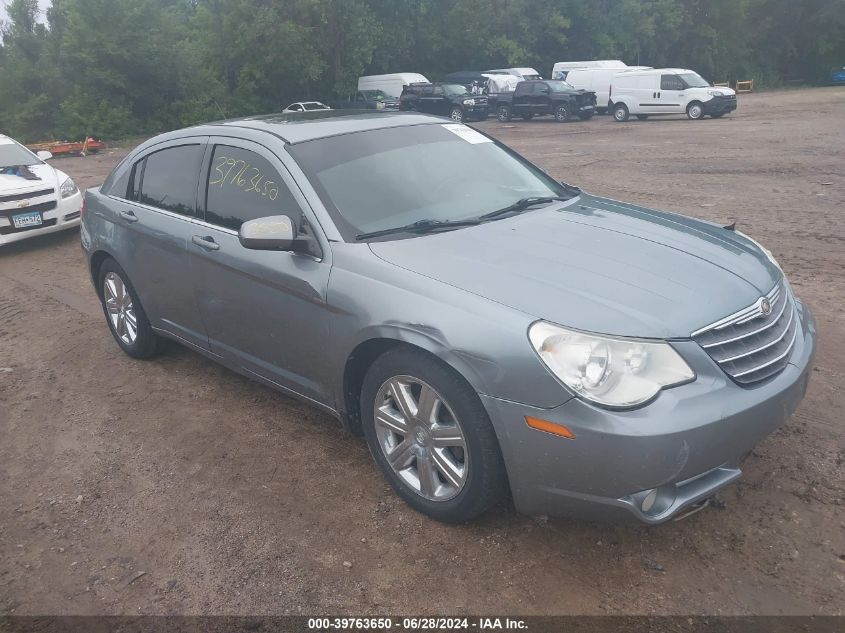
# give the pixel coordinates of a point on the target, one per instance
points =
(765, 307)
(23, 203)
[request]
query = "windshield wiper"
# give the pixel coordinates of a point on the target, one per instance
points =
(522, 205)
(420, 226)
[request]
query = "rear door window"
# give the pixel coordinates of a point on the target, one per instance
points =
(167, 179)
(242, 185)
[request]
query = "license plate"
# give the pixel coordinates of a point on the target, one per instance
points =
(23, 220)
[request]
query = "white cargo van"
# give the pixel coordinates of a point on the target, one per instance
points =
(598, 80)
(644, 93)
(392, 84)
(525, 74)
(561, 69)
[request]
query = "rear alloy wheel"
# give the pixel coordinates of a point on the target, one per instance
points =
(562, 113)
(695, 111)
(456, 114)
(503, 113)
(124, 314)
(430, 435)
(620, 112)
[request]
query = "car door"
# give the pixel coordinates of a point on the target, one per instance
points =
(153, 226)
(264, 311)
(541, 99)
(671, 94)
(647, 95)
(440, 102)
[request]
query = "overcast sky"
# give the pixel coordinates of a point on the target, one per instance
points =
(41, 3)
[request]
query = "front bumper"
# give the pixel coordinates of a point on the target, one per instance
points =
(719, 105)
(475, 112)
(685, 445)
(64, 216)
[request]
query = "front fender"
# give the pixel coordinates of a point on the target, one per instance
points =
(484, 341)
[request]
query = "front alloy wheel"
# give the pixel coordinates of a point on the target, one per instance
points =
(457, 115)
(430, 434)
(421, 438)
(562, 113)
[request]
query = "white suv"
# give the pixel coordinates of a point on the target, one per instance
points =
(35, 198)
(667, 91)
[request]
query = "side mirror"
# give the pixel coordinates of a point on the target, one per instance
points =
(273, 233)
(44, 155)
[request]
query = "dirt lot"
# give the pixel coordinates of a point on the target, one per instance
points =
(234, 499)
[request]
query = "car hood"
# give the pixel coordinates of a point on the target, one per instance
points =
(598, 265)
(17, 184)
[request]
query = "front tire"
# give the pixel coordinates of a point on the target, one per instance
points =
(562, 113)
(503, 114)
(430, 434)
(124, 313)
(620, 112)
(456, 114)
(695, 111)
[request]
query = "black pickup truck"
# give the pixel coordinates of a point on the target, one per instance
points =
(451, 100)
(542, 97)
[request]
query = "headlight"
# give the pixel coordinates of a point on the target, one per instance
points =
(469, 101)
(716, 93)
(615, 372)
(68, 188)
(765, 250)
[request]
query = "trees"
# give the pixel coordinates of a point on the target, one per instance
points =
(118, 67)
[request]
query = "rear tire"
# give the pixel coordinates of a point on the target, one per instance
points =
(620, 112)
(503, 113)
(695, 111)
(124, 313)
(453, 484)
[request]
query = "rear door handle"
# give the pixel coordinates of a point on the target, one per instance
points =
(128, 216)
(207, 242)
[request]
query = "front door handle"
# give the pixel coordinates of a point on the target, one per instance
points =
(128, 216)
(207, 242)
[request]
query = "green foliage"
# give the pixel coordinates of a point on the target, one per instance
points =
(113, 68)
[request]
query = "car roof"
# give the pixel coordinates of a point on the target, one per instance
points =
(299, 127)
(650, 71)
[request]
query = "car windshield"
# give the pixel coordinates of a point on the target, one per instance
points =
(694, 80)
(378, 95)
(12, 155)
(387, 178)
(559, 86)
(454, 90)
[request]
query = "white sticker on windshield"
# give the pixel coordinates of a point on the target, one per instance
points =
(467, 133)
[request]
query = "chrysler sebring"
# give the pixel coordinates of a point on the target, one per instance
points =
(487, 329)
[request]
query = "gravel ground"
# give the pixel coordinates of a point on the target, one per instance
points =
(174, 486)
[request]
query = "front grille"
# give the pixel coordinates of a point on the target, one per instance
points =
(25, 196)
(44, 206)
(749, 345)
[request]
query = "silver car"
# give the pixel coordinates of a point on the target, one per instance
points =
(487, 329)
